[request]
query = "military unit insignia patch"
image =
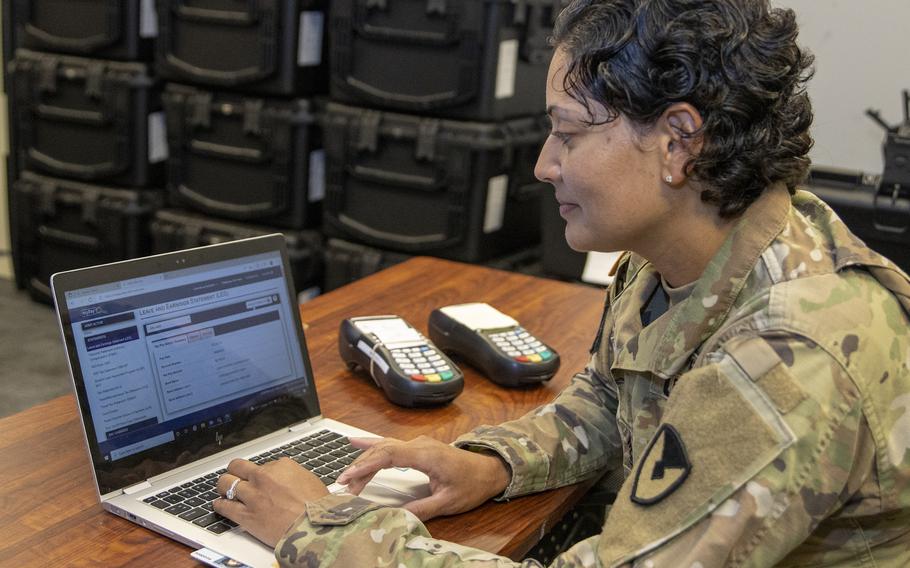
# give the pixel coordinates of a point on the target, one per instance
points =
(663, 467)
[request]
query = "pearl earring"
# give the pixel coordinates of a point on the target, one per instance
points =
(669, 179)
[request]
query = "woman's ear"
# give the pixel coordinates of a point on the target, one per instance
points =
(681, 140)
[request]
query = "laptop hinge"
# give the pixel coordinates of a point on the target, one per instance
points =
(137, 488)
(305, 424)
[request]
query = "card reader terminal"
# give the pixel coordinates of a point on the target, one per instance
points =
(494, 343)
(409, 369)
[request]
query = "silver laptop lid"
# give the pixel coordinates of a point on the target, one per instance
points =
(179, 356)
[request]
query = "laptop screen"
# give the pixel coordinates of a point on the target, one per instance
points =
(174, 365)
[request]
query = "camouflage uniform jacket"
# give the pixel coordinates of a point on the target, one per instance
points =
(764, 420)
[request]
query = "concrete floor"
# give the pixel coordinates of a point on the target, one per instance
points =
(32, 362)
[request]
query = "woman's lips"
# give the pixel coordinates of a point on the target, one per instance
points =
(566, 208)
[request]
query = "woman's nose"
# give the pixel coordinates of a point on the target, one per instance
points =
(547, 168)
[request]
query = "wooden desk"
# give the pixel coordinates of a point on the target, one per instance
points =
(49, 512)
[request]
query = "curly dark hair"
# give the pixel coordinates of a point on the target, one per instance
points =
(736, 61)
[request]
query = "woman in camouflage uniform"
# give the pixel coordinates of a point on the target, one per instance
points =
(750, 379)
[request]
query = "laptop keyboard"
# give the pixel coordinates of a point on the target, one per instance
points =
(324, 453)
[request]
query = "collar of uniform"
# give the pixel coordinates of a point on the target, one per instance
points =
(664, 347)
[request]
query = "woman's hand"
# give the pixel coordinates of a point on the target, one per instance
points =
(459, 480)
(268, 498)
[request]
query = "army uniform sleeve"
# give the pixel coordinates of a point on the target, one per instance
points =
(571, 439)
(755, 450)
(564, 442)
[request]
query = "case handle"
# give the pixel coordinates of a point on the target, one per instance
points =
(397, 179)
(236, 77)
(244, 210)
(208, 15)
(267, 43)
(95, 118)
(63, 237)
(227, 152)
(83, 171)
(87, 44)
(412, 242)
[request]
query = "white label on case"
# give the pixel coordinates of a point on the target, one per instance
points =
(157, 138)
(506, 69)
(309, 44)
(148, 19)
(497, 189)
(316, 187)
(597, 267)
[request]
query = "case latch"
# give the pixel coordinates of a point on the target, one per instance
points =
(427, 134)
(252, 116)
(200, 110)
(94, 79)
(192, 236)
(368, 135)
(90, 200)
(47, 72)
(47, 197)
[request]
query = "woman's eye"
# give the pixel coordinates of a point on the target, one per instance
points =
(562, 137)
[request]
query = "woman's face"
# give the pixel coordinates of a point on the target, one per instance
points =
(607, 177)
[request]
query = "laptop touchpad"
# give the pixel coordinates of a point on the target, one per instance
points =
(395, 487)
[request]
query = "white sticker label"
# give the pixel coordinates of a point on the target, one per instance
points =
(148, 19)
(597, 267)
(479, 316)
(309, 43)
(497, 191)
(316, 188)
(390, 330)
(506, 69)
(157, 138)
(376, 357)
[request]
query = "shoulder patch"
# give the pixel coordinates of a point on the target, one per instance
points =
(663, 467)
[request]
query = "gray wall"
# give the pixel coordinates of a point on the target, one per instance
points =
(862, 50)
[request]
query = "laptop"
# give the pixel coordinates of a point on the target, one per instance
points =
(186, 360)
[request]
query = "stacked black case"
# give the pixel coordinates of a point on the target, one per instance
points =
(66, 224)
(246, 158)
(453, 189)
(175, 230)
(272, 47)
(122, 30)
(466, 59)
(88, 119)
(87, 134)
(435, 125)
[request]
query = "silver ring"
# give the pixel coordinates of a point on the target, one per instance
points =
(232, 490)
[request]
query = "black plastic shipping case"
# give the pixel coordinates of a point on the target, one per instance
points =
(346, 262)
(458, 190)
(471, 59)
(88, 119)
(65, 224)
(245, 158)
(879, 215)
(107, 29)
(175, 229)
(261, 46)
